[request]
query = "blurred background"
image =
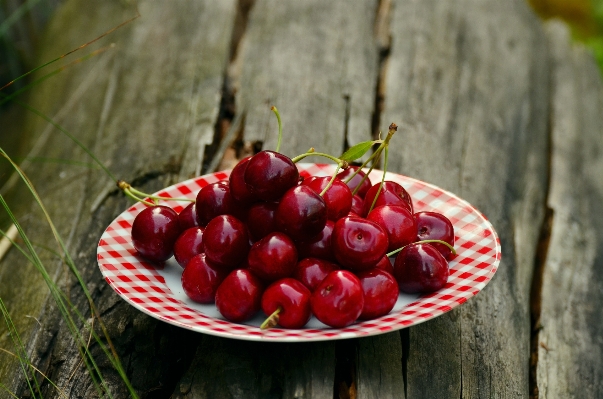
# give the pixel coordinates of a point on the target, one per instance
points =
(22, 22)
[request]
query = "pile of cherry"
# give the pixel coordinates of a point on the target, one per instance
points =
(269, 239)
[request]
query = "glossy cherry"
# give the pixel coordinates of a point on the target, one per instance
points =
(301, 213)
(188, 244)
(311, 271)
(357, 205)
(239, 296)
(154, 231)
(318, 246)
(188, 217)
(435, 226)
(380, 291)
(420, 268)
(226, 241)
(293, 300)
(358, 243)
(392, 193)
(215, 199)
(338, 197)
(200, 279)
(338, 300)
(239, 189)
(273, 257)
(385, 264)
(356, 180)
(270, 174)
(397, 222)
(261, 219)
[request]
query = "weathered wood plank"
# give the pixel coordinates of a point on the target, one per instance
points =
(379, 367)
(316, 62)
(570, 350)
(469, 81)
(150, 106)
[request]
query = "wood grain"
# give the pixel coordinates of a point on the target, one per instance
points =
(569, 341)
(316, 62)
(468, 83)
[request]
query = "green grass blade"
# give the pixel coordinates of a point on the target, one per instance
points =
(36, 82)
(59, 390)
(21, 352)
(8, 391)
(70, 52)
(112, 355)
(66, 133)
(63, 304)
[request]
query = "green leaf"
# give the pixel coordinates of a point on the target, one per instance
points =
(357, 151)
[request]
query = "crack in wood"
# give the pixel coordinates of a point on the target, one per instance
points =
(344, 386)
(346, 124)
(536, 298)
(540, 257)
(405, 341)
(227, 133)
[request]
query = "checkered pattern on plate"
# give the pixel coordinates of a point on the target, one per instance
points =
(141, 284)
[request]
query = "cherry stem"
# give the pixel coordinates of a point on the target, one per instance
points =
(272, 320)
(392, 129)
(330, 181)
(140, 196)
(424, 242)
(280, 128)
(129, 193)
(342, 164)
(382, 180)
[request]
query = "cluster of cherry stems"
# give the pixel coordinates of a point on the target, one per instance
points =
(267, 238)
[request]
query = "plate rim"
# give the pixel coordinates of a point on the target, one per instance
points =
(337, 333)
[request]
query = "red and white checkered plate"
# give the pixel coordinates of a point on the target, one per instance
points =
(156, 290)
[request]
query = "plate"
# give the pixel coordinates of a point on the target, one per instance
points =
(156, 290)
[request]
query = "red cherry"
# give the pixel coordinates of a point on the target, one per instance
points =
(154, 231)
(385, 264)
(226, 241)
(270, 174)
(380, 291)
(358, 243)
(397, 222)
(357, 205)
(200, 279)
(239, 189)
(420, 268)
(338, 197)
(311, 271)
(435, 226)
(188, 217)
(239, 296)
(261, 219)
(338, 300)
(292, 297)
(318, 246)
(352, 184)
(188, 244)
(392, 193)
(301, 213)
(215, 199)
(273, 257)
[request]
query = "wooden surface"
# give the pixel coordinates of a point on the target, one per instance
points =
(491, 105)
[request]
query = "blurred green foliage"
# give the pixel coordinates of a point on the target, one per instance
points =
(585, 17)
